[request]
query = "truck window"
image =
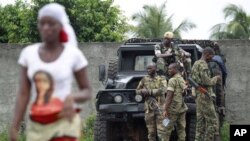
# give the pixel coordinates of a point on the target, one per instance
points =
(141, 62)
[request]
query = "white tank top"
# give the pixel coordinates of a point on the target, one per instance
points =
(61, 70)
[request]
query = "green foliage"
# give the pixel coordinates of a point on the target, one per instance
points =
(236, 27)
(4, 136)
(88, 131)
(154, 21)
(93, 20)
(225, 132)
(14, 26)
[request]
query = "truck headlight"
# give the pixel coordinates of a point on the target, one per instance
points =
(138, 98)
(118, 99)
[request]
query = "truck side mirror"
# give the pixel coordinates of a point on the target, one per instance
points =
(102, 72)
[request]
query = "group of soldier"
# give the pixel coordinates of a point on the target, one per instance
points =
(164, 87)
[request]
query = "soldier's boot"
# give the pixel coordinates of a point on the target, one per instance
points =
(216, 137)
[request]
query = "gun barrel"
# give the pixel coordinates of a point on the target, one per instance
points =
(192, 82)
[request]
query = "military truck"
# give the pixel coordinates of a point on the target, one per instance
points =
(120, 112)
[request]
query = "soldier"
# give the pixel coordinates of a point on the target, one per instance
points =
(219, 92)
(167, 53)
(205, 111)
(152, 88)
(175, 108)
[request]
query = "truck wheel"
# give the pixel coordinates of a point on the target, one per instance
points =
(191, 127)
(101, 128)
(112, 69)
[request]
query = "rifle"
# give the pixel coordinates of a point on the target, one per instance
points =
(198, 87)
(153, 103)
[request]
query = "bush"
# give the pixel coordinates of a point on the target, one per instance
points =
(88, 130)
(225, 131)
(4, 136)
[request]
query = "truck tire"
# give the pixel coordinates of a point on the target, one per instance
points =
(191, 127)
(101, 129)
(112, 69)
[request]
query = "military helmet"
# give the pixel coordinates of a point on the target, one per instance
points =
(169, 35)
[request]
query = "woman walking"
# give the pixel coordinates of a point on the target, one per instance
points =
(47, 71)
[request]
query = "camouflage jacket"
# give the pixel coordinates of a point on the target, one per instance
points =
(202, 75)
(177, 85)
(160, 48)
(218, 88)
(157, 88)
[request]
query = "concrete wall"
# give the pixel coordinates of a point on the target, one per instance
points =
(237, 99)
(238, 84)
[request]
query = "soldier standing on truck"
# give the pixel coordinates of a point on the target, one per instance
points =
(152, 88)
(167, 53)
(175, 108)
(206, 120)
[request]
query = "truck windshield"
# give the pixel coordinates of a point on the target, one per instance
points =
(141, 62)
(135, 60)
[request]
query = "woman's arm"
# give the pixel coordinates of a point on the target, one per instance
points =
(23, 97)
(84, 94)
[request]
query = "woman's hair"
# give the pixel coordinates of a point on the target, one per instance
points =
(49, 92)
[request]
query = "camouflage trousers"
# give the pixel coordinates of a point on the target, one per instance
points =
(155, 127)
(180, 121)
(188, 65)
(162, 66)
(206, 119)
(217, 131)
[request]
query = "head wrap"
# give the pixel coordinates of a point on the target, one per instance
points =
(57, 11)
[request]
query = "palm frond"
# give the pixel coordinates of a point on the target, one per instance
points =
(184, 26)
(237, 24)
(153, 22)
(237, 29)
(218, 31)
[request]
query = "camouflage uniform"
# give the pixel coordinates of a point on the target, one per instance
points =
(154, 101)
(206, 123)
(219, 92)
(177, 109)
(162, 63)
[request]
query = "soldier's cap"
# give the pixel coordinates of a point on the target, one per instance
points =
(169, 35)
